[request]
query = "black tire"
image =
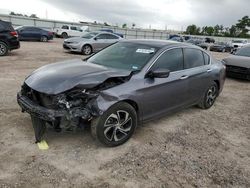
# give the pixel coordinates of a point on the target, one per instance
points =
(3, 49)
(39, 128)
(44, 39)
(64, 35)
(209, 97)
(108, 131)
(87, 50)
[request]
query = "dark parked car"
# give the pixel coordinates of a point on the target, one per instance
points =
(209, 40)
(8, 38)
(125, 84)
(177, 39)
(238, 65)
(34, 33)
(195, 41)
(221, 47)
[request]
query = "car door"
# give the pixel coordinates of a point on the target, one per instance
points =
(161, 95)
(29, 33)
(196, 63)
(100, 42)
(111, 39)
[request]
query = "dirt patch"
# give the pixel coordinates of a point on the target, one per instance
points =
(191, 148)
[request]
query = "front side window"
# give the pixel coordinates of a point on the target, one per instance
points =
(124, 55)
(89, 35)
(192, 58)
(171, 60)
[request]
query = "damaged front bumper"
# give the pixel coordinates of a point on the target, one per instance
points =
(46, 114)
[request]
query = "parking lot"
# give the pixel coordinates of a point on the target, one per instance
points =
(191, 148)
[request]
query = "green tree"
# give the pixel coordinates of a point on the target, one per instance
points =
(242, 25)
(124, 25)
(209, 30)
(193, 30)
(216, 30)
(232, 31)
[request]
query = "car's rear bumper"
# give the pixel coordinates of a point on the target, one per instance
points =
(47, 114)
(14, 44)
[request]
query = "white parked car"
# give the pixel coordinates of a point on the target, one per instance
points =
(70, 31)
(238, 43)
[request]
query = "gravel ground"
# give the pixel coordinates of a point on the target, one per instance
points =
(191, 148)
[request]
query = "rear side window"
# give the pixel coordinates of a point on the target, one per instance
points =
(6, 26)
(193, 58)
(112, 37)
(171, 60)
(102, 36)
(65, 27)
(206, 58)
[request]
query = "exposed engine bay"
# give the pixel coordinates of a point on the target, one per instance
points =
(66, 111)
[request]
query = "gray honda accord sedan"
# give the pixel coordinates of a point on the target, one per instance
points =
(121, 86)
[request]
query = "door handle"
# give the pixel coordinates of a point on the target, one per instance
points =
(184, 77)
(209, 70)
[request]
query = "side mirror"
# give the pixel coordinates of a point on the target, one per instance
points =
(95, 38)
(158, 73)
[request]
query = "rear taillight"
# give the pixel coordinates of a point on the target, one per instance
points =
(14, 33)
(50, 33)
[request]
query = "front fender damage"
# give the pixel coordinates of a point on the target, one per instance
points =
(70, 108)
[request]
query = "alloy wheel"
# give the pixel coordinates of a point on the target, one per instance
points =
(87, 50)
(3, 49)
(211, 95)
(117, 126)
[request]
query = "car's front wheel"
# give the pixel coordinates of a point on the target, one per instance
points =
(3, 49)
(86, 50)
(209, 96)
(116, 125)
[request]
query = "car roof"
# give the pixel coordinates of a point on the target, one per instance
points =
(104, 32)
(160, 43)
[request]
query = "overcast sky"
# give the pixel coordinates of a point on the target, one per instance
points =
(173, 14)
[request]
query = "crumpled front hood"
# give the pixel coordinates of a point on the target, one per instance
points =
(59, 77)
(240, 61)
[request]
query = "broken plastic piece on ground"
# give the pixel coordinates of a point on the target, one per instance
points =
(43, 145)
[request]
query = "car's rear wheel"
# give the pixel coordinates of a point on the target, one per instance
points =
(116, 125)
(86, 50)
(3, 49)
(209, 97)
(65, 35)
(44, 39)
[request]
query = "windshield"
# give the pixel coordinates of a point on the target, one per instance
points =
(89, 35)
(243, 52)
(124, 55)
